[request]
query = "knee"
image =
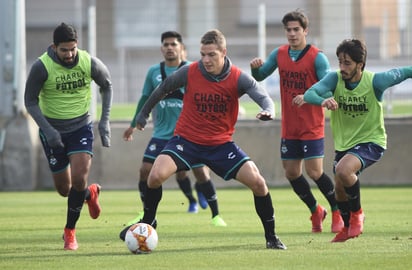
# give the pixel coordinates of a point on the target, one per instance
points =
(155, 180)
(63, 190)
(315, 174)
(259, 187)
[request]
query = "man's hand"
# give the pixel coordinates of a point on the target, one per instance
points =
(264, 116)
(330, 104)
(298, 100)
(53, 138)
(128, 134)
(104, 130)
(256, 62)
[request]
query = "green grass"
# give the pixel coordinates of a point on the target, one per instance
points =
(32, 223)
(125, 112)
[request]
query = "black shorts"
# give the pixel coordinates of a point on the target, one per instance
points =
(78, 141)
(225, 160)
(367, 153)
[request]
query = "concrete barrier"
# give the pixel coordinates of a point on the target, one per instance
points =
(117, 167)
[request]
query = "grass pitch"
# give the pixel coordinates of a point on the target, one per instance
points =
(32, 224)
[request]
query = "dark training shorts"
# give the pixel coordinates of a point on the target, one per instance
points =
(153, 149)
(225, 160)
(368, 154)
(301, 149)
(79, 141)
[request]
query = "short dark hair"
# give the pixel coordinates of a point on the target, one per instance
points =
(296, 15)
(216, 37)
(64, 33)
(355, 48)
(171, 34)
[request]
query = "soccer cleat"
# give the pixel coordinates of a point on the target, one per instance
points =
(202, 199)
(218, 221)
(337, 222)
(356, 223)
(93, 202)
(69, 237)
(122, 234)
(136, 219)
(341, 236)
(275, 243)
(193, 208)
(317, 218)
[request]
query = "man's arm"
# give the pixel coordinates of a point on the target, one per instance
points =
(322, 65)
(249, 86)
(172, 83)
(37, 77)
(321, 90)
(384, 80)
(100, 74)
(261, 70)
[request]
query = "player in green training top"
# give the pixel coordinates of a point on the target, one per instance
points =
(355, 97)
(164, 118)
(58, 96)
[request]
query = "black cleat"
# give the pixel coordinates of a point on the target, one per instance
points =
(122, 234)
(275, 243)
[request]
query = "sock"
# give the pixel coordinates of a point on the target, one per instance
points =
(208, 189)
(142, 190)
(153, 197)
(264, 209)
(87, 195)
(75, 203)
(344, 209)
(353, 194)
(327, 188)
(301, 187)
(186, 188)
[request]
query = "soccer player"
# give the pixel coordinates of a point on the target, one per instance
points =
(303, 128)
(58, 96)
(165, 116)
(355, 97)
(205, 127)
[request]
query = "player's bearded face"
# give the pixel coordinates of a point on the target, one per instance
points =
(349, 69)
(66, 52)
(171, 49)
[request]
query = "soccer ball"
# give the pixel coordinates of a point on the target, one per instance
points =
(141, 238)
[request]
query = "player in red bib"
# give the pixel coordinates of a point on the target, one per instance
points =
(301, 65)
(204, 130)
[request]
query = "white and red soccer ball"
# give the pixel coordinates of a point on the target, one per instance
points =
(141, 238)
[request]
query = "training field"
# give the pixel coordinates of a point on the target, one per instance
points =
(32, 224)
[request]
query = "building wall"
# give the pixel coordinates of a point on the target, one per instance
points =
(117, 167)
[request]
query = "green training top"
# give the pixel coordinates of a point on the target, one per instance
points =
(66, 93)
(359, 118)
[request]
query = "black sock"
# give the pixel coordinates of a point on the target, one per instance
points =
(301, 187)
(327, 188)
(142, 190)
(75, 203)
(209, 191)
(264, 209)
(186, 188)
(353, 194)
(344, 212)
(153, 197)
(87, 194)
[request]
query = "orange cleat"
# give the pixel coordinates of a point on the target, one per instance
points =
(337, 222)
(69, 237)
(356, 223)
(93, 202)
(317, 218)
(341, 236)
